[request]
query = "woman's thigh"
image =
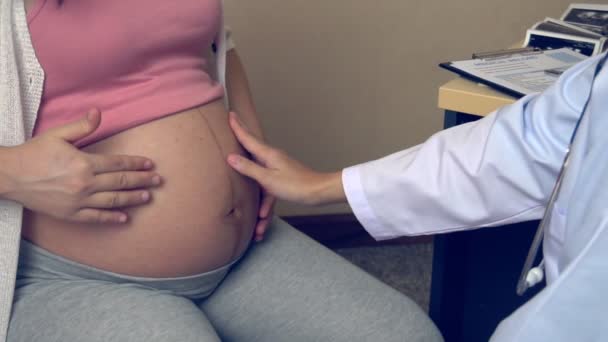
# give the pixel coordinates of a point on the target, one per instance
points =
(91, 311)
(290, 288)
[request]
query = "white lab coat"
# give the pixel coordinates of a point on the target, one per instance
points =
(499, 170)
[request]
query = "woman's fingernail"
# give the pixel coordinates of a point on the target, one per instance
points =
(123, 218)
(148, 164)
(145, 196)
(156, 180)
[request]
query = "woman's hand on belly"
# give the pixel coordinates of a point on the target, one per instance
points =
(201, 218)
(51, 176)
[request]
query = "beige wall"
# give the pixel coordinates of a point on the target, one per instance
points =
(338, 82)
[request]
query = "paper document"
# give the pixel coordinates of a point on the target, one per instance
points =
(519, 74)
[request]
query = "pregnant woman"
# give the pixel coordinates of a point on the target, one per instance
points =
(152, 241)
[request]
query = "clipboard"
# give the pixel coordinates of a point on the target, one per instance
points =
(477, 79)
(518, 72)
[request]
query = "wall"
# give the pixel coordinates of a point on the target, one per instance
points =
(339, 82)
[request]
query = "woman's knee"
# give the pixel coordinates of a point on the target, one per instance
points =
(96, 311)
(291, 287)
(397, 319)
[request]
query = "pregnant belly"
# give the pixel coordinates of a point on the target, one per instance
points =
(201, 218)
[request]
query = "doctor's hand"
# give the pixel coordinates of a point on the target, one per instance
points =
(267, 202)
(48, 174)
(281, 175)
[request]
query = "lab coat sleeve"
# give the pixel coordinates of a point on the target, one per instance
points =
(497, 170)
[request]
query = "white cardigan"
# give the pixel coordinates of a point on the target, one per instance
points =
(21, 82)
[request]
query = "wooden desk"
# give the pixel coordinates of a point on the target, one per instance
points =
(463, 96)
(475, 272)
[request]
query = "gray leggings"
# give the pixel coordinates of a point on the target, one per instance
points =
(287, 288)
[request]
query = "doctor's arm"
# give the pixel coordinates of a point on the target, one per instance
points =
(494, 171)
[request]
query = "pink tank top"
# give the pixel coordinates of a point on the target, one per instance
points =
(135, 60)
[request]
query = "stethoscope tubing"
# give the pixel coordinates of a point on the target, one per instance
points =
(523, 284)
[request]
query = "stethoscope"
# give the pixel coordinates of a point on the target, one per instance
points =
(530, 276)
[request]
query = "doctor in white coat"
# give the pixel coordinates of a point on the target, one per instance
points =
(498, 170)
